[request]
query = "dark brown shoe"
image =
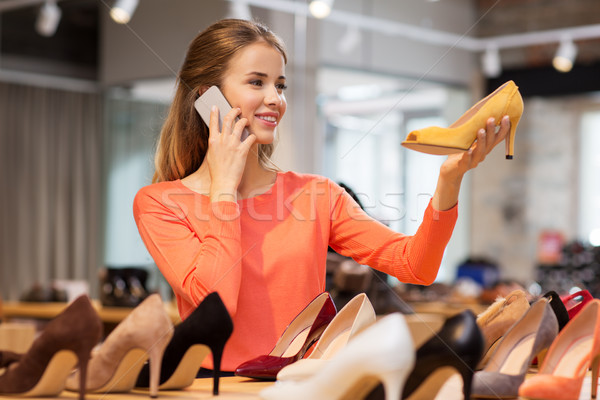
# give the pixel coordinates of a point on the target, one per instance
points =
(66, 341)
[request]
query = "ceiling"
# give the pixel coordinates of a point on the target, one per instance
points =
(76, 41)
(502, 17)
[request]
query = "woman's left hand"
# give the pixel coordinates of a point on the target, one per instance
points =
(458, 164)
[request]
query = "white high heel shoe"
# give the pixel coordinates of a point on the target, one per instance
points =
(382, 352)
(356, 315)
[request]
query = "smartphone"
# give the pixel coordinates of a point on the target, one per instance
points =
(214, 97)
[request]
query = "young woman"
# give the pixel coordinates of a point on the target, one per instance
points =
(219, 217)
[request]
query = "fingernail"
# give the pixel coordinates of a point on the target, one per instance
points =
(482, 131)
(213, 108)
(492, 120)
(505, 118)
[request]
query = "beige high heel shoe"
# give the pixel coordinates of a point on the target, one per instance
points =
(498, 318)
(115, 366)
(352, 318)
(460, 136)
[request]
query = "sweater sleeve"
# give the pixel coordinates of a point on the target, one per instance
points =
(195, 263)
(411, 259)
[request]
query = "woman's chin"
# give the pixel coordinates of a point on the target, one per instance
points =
(264, 137)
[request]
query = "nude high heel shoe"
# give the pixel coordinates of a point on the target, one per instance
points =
(382, 352)
(570, 356)
(460, 136)
(297, 338)
(204, 331)
(498, 318)
(65, 342)
(506, 369)
(115, 366)
(356, 315)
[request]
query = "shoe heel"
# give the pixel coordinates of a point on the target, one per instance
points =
(541, 356)
(515, 103)
(155, 361)
(595, 371)
(83, 358)
(510, 145)
(393, 383)
(217, 354)
(467, 377)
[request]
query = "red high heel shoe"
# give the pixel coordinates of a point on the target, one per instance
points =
(297, 338)
(575, 302)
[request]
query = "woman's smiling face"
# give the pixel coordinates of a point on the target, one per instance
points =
(255, 82)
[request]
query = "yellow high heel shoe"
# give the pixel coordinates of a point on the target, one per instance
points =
(460, 136)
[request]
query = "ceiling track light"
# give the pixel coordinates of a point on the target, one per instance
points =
(565, 56)
(320, 8)
(48, 18)
(123, 10)
(490, 62)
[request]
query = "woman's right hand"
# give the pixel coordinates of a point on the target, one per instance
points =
(227, 154)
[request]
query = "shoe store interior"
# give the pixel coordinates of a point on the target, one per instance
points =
(114, 282)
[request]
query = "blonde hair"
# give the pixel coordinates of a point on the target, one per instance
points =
(183, 139)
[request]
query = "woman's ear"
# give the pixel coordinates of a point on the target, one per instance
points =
(202, 90)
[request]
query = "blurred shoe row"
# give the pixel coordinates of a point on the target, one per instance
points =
(144, 350)
(359, 357)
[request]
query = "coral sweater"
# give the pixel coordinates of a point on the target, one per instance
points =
(266, 255)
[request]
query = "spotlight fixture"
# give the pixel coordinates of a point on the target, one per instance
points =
(565, 56)
(122, 11)
(320, 8)
(490, 62)
(48, 18)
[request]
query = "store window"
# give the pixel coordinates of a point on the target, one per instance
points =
(589, 183)
(365, 119)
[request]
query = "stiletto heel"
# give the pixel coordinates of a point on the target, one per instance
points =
(595, 371)
(506, 369)
(217, 355)
(457, 347)
(65, 341)
(83, 364)
(460, 136)
(381, 353)
(357, 314)
(155, 360)
(573, 352)
(393, 383)
(297, 338)
(144, 333)
(205, 330)
(467, 378)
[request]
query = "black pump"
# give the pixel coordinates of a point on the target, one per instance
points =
(209, 326)
(459, 345)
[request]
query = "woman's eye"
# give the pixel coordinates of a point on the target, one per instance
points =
(256, 83)
(281, 86)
